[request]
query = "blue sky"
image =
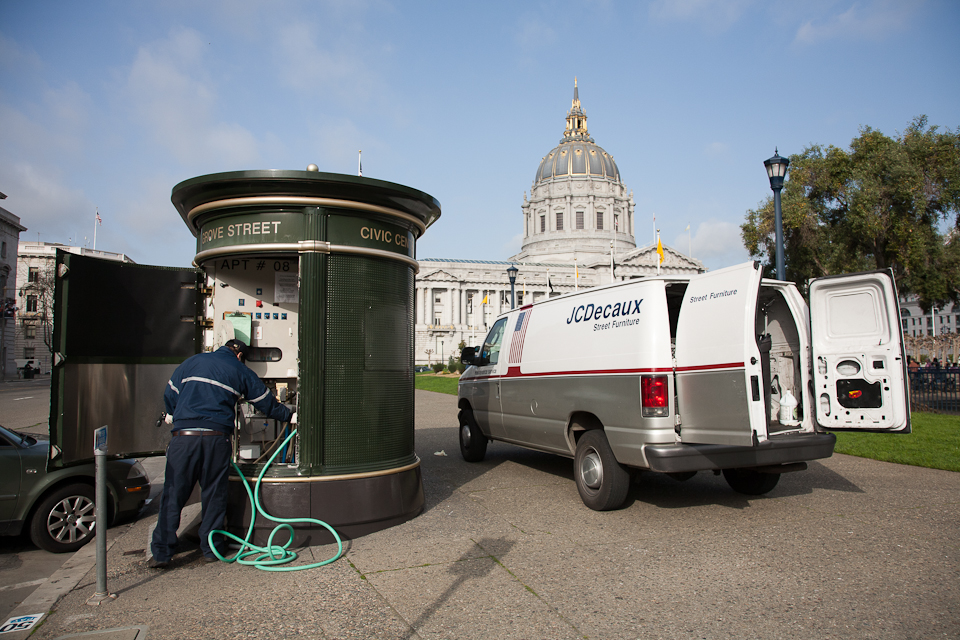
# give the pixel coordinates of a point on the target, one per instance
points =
(108, 105)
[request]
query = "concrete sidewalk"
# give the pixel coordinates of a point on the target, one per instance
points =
(850, 548)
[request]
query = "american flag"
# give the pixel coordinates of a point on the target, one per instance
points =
(99, 220)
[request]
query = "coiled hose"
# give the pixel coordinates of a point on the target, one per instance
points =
(271, 557)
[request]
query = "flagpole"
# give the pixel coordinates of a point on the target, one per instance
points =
(659, 252)
(96, 219)
(360, 163)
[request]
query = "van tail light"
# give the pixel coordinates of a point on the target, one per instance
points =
(653, 396)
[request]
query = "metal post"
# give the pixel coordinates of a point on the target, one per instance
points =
(781, 269)
(100, 528)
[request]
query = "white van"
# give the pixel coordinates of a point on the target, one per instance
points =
(723, 371)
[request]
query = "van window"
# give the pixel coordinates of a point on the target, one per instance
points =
(491, 346)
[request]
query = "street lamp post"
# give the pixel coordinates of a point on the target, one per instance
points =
(512, 273)
(777, 171)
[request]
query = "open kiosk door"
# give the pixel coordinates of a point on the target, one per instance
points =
(717, 360)
(119, 331)
(859, 367)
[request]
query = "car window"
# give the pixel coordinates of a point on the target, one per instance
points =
(491, 346)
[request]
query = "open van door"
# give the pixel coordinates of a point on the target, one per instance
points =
(859, 366)
(120, 329)
(717, 359)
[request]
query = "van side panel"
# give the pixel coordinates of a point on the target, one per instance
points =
(586, 353)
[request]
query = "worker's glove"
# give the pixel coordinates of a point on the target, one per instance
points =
(168, 418)
(293, 418)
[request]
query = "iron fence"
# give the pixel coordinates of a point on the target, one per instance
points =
(936, 390)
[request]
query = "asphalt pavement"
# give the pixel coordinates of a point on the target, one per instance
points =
(850, 548)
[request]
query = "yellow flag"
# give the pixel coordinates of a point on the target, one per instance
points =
(659, 249)
(485, 299)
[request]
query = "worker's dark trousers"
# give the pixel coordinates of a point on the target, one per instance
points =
(191, 459)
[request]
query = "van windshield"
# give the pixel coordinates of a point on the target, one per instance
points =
(491, 346)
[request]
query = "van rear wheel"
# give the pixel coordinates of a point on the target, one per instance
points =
(750, 482)
(473, 444)
(601, 481)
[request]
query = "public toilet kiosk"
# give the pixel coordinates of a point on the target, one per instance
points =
(315, 271)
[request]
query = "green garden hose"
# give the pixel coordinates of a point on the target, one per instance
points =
(271, 557)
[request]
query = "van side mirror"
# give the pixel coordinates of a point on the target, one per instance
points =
(468, 356)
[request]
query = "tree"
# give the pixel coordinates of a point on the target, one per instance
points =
(881, 204)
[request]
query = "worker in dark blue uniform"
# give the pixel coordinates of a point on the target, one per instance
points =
(201, 403)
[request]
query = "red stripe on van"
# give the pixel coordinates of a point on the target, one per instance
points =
(710, 367)
(514, 372)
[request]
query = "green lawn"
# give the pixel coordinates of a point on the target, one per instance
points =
(440, 384)
(934, 443)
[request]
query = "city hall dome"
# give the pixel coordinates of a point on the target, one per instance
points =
(577, 154)
(579, 209)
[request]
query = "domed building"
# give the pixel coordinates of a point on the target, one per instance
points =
(578, 231)
(578, 204)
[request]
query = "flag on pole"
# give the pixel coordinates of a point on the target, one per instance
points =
(659, 249)
(360, 163)
(485, 299)
(549, 284)
(99, 221)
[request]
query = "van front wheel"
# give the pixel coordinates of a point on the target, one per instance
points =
(750, 482)
(601, 481)
(473, 444)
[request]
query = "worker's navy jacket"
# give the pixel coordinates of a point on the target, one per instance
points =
(204, 391)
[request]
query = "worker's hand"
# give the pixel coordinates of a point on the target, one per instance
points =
(293, 418)
(168, 418)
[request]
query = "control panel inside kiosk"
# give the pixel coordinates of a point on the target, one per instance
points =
(256, 300)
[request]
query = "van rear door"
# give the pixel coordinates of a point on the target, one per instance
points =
(858, 359)
(720, 397)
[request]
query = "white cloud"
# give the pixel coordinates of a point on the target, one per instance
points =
(177, 103)
(715, 15)
(533, 34)
(862, 20)
(715, 243)
(310, 68)
(716, 150)
(513, 245)
(15, 58)
(43, 203)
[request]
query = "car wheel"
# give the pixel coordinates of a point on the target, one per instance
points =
(64, 520)
(601, 481)
(473, 444)
(750, 482)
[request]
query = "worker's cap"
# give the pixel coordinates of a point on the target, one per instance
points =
(237, 346)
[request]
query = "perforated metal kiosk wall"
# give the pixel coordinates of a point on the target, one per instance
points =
(316, 272)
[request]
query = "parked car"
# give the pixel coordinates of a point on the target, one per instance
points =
(57, 506)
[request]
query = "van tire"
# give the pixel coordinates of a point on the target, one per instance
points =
(601, 481)
(473, 444)
(750, 482)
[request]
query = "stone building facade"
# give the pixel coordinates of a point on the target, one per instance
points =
(578, 232)
(10, 229)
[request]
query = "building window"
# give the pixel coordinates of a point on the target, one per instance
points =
(30, 331)
(559, 221)
(436, 319)
(3, 250)
(600, 220)
(28, 352)
(31, 304)
(543, 223)
(579, 219)
(436, 299)
(34, 274)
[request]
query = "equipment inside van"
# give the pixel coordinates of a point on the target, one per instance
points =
(723, 371)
